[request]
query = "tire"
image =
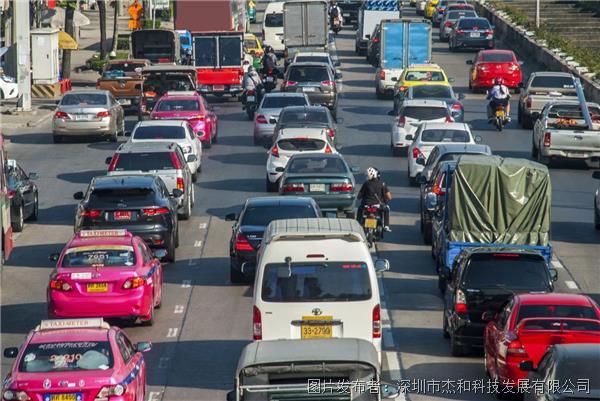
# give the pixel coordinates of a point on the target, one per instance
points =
(378, 94)
(427, 233)
(36, 209)
(396, 151)
(195, 176)
(596, 217)
(271, 187)
(412, 180)
(1, 94)
(256, 141)
(208, 144)
(114, 137)
(455, 348)
(57, 138)
(499, 125)
(171, 250)
(445, 332)
(150, 321)
(236, 277)
(188, 209)
(19, 221)
(534, 152)
(526, 121)
(441, 284)
(543, 159)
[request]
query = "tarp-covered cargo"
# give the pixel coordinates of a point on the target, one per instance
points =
(500, 200)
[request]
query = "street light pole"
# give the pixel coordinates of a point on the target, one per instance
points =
(537, 13)
(23, 42)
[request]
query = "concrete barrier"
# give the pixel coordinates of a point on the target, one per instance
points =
(525, 45)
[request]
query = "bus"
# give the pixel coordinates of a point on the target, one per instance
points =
(6, 241)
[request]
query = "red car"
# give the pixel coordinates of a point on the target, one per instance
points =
(491, 64)
(529, 324)
(192, 107)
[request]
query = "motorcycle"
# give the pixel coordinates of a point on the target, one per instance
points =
(372, 222)
(251, 103)
(270, 80)
(500, 118)
(336, 25)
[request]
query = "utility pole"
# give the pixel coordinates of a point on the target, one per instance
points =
(537, 13)
(23, 43)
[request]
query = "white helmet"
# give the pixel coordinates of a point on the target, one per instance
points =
(371, 173)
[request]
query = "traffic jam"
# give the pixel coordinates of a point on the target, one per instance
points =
(307, 200)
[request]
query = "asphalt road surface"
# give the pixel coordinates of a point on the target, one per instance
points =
(205, 321)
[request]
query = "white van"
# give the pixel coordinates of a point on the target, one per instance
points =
(272, 32)
(315, 279)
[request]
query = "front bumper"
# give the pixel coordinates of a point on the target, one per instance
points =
(325, 99)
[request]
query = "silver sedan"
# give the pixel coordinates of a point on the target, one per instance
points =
(268, 113)
(90, 112)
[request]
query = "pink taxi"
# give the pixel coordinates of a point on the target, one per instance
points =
(76, 360)
(106, 273)
(192, 107)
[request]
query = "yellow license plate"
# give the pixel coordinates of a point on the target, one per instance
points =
(63, 397)
(95, 287)
(500, 113)
(312, 331)
(371, 223)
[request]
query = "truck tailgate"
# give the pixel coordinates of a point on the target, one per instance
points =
(120, 87)
(221, 76)
(454, 248)
(574, 140)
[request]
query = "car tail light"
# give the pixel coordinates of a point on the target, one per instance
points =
(381, 74)
(529, 103)
(401, 121)
(256, 324)
(274, 151)
(113, 162)
(456, 106)
(377, 321)
(180, 184)
(93, 213)
(372, 209)
(331, 133)
(155, 211)
(449, 119)
(107, 391)
(482, 67)
(547, 139)
(10, 395)
(291, 83)
(328, 83)
(459, 32)
(460, 302)
(103, 114)
(516, 349)
(514, 67)
(437, 188)
(164, 60)
(62, 114)
(250, 92)
(328, 149)
(376, 40)
(343, 187)
(293, 187)
(242, 243)
(488, 32)
(175, 161)
(416, 153)
(261, 119)
(448, 24)
(60, 285)
(11, 193)
(134, 282)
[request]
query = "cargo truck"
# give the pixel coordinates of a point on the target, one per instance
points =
(371, 13)
(403, 42)
(217, 28)
(305, 27)
(156, 45)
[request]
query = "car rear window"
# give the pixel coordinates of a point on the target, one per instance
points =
(178, 105)
(308, 74)
(145, 161)
(497, 57)
(115, 195)
(274, 20)
(67, 356)
(277, 102)
(474, 23)
(325, 282)
(263, 215)
(425, 113)
(424, 76)
(454, 15)
(312, 59)
(90, 99)
(290, 117)
(86, 256)
(553, 82)
(444, 135)
(159, 132)
(250, 43)
(431, 91)
(125, 67)
(513, 271)
(300, 144)
(574, 311)
(455, 156)
(308, 165)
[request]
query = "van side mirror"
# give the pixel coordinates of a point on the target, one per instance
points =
(478, 139)
(11, 352)
(78, 195)
(420, 161)
(230, 217)
(382, 265)
(553, 274)
(127, 133)
(143, 346)
(410, 137)
(526, 366)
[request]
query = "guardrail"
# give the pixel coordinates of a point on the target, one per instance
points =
(517, 37)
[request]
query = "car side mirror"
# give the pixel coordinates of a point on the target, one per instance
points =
(421, 179)
(160, 253)
(230, 217)
(461, 96)
(470, 62)
(177, 193)
(520, 62)
(409, 137)
(596, 175)
(231, 396)
(33, 176)
(394, 79)
(535, 116)
(391, 113)
(143, 346)
(191, 158)
(478, 139)
(53, 257)
(488, 316)
(338, 76)
(78, 195)
(355, 169)
(11, 352)
(451, 80)
(108, 160)
(420, 161)
(389, 391)
(526, 366)
(431, 201)
(382, 265)
(279, 169)
(553, 274)
(138, 86)
(127, 133)
(272, 120)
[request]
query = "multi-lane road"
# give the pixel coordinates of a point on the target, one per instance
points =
(205, 321)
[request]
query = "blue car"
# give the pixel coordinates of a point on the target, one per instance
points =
(185, 40)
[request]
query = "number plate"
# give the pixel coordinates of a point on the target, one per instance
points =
(62, 397)
(309, 89)
(270, 79)
(122, 215)
(370, 223)
(97, 287)
(475, 34)
(219, 88)
(500, 113)
(311, 331)
(82, 117)
(317, 187)
(124, 102)
(250, 99)
(346, 14)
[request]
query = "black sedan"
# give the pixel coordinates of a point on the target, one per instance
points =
(247, 232)
(306, 116)
(474, 33)
(23, 194)
(433, 92)
(324, 177)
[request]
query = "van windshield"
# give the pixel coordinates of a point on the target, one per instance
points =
(512, 271)
(319, 282)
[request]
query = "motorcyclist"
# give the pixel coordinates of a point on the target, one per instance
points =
(251, 81)
(375, 192)
(498, 95)
(334, 13)
(269, 60)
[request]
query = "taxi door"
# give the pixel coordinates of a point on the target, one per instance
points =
(132, 372)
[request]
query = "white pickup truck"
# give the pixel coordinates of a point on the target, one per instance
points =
(541, 88)
(561, 132)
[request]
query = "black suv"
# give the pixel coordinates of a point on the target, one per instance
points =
(139, 203)
(247, 232)
(483, 280)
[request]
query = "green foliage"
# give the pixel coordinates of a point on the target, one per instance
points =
(123, 42)
(97, 64)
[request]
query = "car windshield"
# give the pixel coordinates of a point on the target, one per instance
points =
(497, 57)
(301, 144)
(474, 24)
(424, 76)
(126, 195)
(313, 59)
(315, 165)
(90, 99)
(444, 135)
(454, 156)
(145, 161)
(324, 282)
(454, 15)
(274, 20)
(425, 113)
(507, 270)
(160, 85)
(291, 117)
(250, 43)
(572, 311)
(553, 82)
(125, 67)
(158, 132)
(95, 256)
(178, 105)
(308, 74)
(431, 91)
(279, 102)
(263, 215)
(67, 356)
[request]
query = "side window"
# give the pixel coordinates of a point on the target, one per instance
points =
(125, 353)
(504, 315)
(432, 157)
(148, 255)
(128, 346)
(181, 157)
(144, 254)
(190, 131)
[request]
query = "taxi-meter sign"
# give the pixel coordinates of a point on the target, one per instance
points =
(72, 324)
(102, 233)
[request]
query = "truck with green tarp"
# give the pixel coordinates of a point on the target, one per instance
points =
(491, 202)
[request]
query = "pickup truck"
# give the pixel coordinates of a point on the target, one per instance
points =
(541, 88)
(561, 132)
(123, 78)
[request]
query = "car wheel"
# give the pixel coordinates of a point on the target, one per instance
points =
(36, 209)
(256, 141)
(526, 122)
(171, 249)
(195, 177)
(150, 320)
(545, 160)
(271, 187)
(114, 137)
(378, 93)
(188, 209)
(441, 284)
(534, 152)
(412, 180)
(235, 276)
(56, 138)
(519, 115)
(445, 332)
(193, 197)
(208, 144)
(596, 216)
(427, 233)
(19, 221)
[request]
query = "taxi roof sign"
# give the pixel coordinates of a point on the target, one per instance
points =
(103, 233)
(88, 323)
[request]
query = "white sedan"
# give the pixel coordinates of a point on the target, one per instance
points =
(9, 89)
(430, 134)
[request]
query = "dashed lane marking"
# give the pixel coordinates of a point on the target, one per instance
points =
(202, 226)
(197, 244)
(173, 331)
(571, 284)
(192, 262)
(154, 396)
(179, 309)
(557, 265)
(186, 283)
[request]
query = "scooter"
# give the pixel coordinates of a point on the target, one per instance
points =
(372, 222)
(336, 25)
(270, 80)
(251, 103)
(500, 118)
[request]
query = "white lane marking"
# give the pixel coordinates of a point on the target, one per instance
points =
(178, 309)
(186, 283)
(172, 332)
(197, 244)
(202, 226)
(571, 284)
(557, 265)
(163, 362)
(154, 396)
(16, 236)
(192, 262)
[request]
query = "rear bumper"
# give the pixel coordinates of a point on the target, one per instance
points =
(82, 128)
(262, 131)
(474, 43)
(570, 154)
(466, 332)
(238, 259)
(487, 81)
(334, 202)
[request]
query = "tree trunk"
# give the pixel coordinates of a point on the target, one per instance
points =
(116, 4)
(69, 28)
(102, 14)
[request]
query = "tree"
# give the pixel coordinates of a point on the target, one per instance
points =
(102, 14)
(69, 28)
(116, 6)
